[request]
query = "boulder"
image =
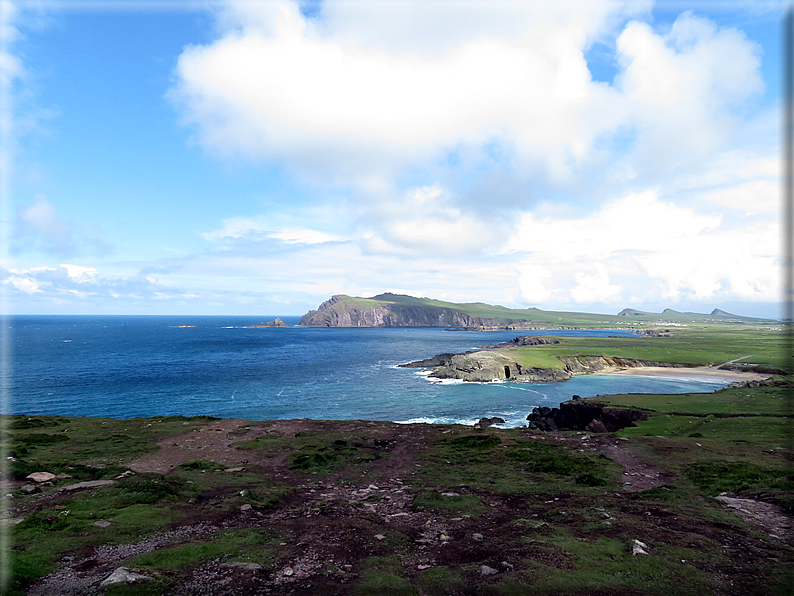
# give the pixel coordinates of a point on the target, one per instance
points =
(40, 476)
(123, 575)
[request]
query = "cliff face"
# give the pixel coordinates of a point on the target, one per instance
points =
(339, 312)
(488, 366)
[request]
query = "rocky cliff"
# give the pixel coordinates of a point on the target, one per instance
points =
(486, 366)
(344, 311)
(579, 414)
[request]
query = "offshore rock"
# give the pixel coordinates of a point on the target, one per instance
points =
(486, 422)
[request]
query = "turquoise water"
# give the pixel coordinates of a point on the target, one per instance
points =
(150, 366)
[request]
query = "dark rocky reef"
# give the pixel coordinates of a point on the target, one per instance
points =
(523, 340)
(438, 360)
(486, 422)
(579, 414)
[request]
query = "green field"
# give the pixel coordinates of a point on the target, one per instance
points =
(704, 345)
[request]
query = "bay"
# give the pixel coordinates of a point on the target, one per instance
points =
(128, 366)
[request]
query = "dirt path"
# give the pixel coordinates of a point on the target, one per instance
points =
(765, 516)
(211, 442)
(639, 471)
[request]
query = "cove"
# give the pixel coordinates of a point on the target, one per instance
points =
(129, 366)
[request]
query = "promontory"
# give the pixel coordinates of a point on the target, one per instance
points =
(399, 310)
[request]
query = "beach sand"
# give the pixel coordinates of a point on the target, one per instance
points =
(695, 371)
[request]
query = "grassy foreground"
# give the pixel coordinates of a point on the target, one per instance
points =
(200, 505)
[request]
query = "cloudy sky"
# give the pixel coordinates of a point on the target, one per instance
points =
(256, 157)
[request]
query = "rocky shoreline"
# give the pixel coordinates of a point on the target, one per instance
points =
(490, 364)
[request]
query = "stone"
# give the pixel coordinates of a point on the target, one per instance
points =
(102, 523)
(123, 575)
(506, 565)
(638, 548)
(450, 495)
(478, 537)
(240, 469)
(30, 489)
(246, 507)
(485, 570)
(421, 567)
(40, 476)
(380, 537)
(87, 484)
(445, 538)
(243, 565)
(288, 571)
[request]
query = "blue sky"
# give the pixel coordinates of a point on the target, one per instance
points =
(238, 157)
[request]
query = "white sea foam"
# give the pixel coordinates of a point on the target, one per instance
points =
(427, 420)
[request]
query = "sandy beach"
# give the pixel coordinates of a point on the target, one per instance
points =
(695, 371)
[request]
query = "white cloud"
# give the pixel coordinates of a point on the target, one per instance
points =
(532, 283)
(368, 89)
(425, 221)
(680, 89)
(637, 222)
(662, 251)
(80, 274)
(595, 286)
(758, 196)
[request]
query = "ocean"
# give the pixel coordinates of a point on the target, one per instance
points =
(129, 366)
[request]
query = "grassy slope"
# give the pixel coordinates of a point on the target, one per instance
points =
(508, 485)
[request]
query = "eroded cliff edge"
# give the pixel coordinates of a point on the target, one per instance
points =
(488, 365)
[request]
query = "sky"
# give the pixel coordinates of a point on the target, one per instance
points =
(257, 157)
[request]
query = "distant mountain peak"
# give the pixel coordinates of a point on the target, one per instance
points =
(670, 311)
(630, 312)
(719, 311)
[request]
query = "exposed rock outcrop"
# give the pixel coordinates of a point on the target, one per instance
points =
(439, 360)
(486, 365)
(579, 414)
(523, 340)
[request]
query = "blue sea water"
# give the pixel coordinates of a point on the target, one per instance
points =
(126, 366)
